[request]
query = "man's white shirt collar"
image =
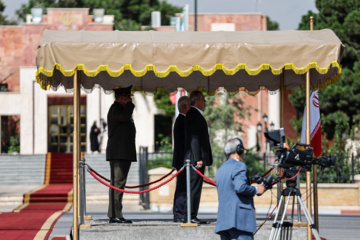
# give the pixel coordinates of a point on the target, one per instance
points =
(238, 160)
(201, 112)
(183, 114)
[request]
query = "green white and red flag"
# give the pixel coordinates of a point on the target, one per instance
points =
(315, 124)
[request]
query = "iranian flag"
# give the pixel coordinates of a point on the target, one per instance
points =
(315, 125)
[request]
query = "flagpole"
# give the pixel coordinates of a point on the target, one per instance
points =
(280, 184)
(316, 206)
(308, 173)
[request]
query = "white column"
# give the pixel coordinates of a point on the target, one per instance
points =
(41, 124)
(25, 106)
(251, 135)
(274, 109)
(106, 101)
(92, 113)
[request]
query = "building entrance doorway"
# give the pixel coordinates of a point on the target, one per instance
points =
(61, 127)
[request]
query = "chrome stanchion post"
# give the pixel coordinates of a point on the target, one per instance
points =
(82, 190)
(83, 195)
(188, 197)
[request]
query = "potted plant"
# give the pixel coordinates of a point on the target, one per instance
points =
(98, 14)
(37, 12)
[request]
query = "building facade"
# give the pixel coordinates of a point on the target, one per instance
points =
(44, 119)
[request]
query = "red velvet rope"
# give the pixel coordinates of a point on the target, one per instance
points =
(266, 218)
(208, 180)
(135, 192)
(98, 174)
(133, 186)
(205, 181)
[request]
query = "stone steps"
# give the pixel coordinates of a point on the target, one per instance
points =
(30, 169)
(22, 169)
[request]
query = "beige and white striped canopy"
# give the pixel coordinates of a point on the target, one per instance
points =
(150, 60)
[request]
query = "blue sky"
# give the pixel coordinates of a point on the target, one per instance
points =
(286, 12)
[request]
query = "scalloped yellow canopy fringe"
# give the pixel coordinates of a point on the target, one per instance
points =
(162, 74)
(192, 60)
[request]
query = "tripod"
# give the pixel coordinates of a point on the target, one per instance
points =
(277, 227)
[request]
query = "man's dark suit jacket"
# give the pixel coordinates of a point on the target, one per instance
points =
(121, 142)
(197, 142)
(179, 142)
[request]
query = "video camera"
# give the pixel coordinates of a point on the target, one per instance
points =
(267, 181)
(298, 155)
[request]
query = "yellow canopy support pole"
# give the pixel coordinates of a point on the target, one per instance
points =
(76, 153)
(282, 99)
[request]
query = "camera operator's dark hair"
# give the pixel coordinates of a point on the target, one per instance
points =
(195, 95)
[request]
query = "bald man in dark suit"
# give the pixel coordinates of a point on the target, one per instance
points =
(178, 160)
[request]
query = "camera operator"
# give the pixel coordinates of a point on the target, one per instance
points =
(236, 213)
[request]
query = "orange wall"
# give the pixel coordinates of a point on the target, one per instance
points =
(243, 22)
(18, 44)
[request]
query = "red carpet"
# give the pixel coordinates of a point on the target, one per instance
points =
(59, 168)
(42, 206)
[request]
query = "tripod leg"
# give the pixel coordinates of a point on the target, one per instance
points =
(275, 224)
(309, 219)
(292, 219)
(278, 232)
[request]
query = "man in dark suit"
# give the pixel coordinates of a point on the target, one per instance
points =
(178, 160)
(120, 150)
(198, 149)
(236, 213)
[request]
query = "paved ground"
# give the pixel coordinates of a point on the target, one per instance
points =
(334, 225)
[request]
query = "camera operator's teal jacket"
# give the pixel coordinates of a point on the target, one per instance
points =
(236, 204)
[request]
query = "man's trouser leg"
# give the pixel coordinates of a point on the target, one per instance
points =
(180, 196)
(119, 170)
(196, 182)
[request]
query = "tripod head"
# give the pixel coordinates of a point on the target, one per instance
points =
(290, 176)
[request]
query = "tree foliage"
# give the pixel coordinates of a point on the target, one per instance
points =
(224, 115)
(162, 101)
(339, 102)
(272, 25)
(3, 20)
(128, 14)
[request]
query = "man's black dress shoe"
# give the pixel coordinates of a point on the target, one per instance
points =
(198, 221)
(119, 220)
(178, 219)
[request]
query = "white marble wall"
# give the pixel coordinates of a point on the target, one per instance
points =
(31, 104)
